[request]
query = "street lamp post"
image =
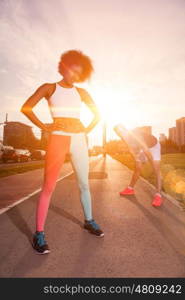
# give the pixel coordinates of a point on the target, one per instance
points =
(104, 137)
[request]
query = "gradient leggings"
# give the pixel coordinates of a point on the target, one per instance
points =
(58, 147)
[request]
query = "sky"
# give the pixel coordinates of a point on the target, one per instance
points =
(137, 49)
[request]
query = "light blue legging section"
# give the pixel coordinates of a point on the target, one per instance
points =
(80, 163)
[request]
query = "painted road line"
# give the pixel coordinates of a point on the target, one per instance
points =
(3, 210)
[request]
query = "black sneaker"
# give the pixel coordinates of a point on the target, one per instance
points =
(39, 243)
(93, 228)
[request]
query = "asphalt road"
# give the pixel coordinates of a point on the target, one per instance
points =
(139, 241)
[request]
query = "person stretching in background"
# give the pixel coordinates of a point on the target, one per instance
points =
(143, 146)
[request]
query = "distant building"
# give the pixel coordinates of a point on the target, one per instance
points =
(173, 134)
(162, 137)
(19, 135)
(1, 145)
(180, 131)
(1, 149)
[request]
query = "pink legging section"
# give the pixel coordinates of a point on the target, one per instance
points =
(57, 148)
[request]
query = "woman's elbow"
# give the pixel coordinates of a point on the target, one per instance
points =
(24, 109)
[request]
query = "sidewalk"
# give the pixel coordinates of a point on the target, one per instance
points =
(139, 241)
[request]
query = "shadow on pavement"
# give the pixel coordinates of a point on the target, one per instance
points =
(17, 219)
(130, 197)
(65, 214)
(168, 234)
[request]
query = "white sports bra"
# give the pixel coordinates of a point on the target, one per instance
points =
(65, 102)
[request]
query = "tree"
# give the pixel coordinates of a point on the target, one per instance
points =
(169, 146)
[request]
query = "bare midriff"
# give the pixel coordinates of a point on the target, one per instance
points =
(73, 125)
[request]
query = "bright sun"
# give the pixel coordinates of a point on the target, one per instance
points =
(117, 107)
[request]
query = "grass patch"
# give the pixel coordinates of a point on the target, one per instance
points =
(12, 170)
(22, 168)
(177, 160)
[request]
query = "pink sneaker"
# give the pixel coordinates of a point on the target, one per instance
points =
(157, 201)
(127, 191)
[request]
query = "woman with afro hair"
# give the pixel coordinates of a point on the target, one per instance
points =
(66, 135)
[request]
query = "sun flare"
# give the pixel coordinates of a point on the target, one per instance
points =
(117, 107)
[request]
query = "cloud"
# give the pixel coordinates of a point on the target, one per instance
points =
(136, 46)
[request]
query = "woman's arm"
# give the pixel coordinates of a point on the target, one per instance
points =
(86, 98)
(26, 109)
(148, 155)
